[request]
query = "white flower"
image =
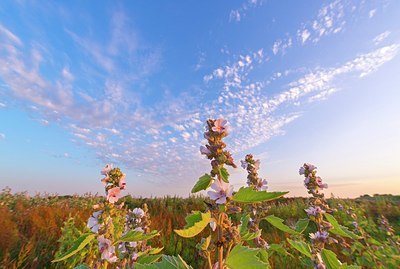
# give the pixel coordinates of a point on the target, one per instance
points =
(204, 150)
(244, 164)
(222, 191)
(106, 249)
(93, 222)
(213, 225)
(139, 213)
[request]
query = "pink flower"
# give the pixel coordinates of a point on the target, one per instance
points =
(310, 167)
(106, 169)
(256, 165)
(122, 182)
(222, 190)
(320, 184)
(106, 249)
(220, 126)
(204, 150)
(93, 222)
(262, 185)
(314, 211)
(113, 194)
(105, 180)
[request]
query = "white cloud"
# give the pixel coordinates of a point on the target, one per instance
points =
(2, 136)
(372, 13)
(238, 14)
(304, 36)
(381, 37)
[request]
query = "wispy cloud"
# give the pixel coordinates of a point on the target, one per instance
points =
(2, 136)
(238, 14)
(381, 37)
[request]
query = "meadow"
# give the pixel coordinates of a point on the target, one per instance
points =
(248, 228)
(34, 227)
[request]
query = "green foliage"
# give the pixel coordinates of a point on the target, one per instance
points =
(79, 244)
(330, 259)
(195, 223)
(242, 257)
(249, 195)
(301, 225)
(167, 262)
(278, 223)
(224, 174)
(134, 236)
(203, 183)
(148, 259)
(339, 229)
(245, 234)
(301, 246)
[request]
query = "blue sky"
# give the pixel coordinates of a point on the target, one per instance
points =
(132, 83)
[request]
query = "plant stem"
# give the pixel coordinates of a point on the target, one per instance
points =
(209, 260)
(221, 247)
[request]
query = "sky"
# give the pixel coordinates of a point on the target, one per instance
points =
(85, 83)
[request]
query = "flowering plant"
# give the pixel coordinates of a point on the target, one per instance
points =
(227, 245)
(121, 234)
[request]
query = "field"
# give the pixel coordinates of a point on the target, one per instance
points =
(37, 229)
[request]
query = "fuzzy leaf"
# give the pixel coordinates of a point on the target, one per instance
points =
(301, 225)
(224, 174)
(82, 266)
(278, 223)
(148, 259)
(196, 223)
(249, 195)
(279, 249)
(78, 245)
(167, 262)
(155, 251)
(242, 257)
(330, 259)
(338, 229)
(304, 248)
(134, 236)
(203, 183)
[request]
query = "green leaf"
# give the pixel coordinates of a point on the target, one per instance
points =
(303, 247)
(345, 266)
(82, 266)
(148, 259)
(205, 242)
(278, 223)
(338, 229)
(196, 223)
(249, 195)
(77, 246)
(279, 249)
(155, 251)
(263, 255)
(301, 225)
(167, 262)
(224, 174)
(330, 259)
(242, 257)
(245, 235)
(134, 236)
(203, 183)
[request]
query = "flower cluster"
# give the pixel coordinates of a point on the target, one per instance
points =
(252, 166)
(316, 210)
(112, 222)
(114, 182)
